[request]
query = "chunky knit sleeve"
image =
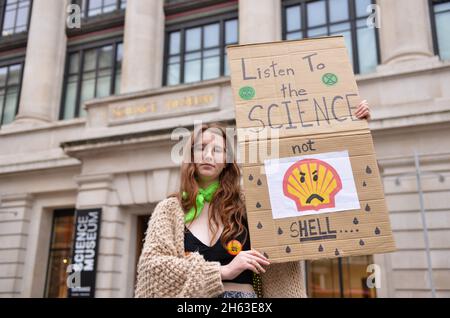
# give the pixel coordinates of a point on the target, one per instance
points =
(165, 272)
(284, 280)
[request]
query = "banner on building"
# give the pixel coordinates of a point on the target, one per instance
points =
(81, 280)
(311, 179)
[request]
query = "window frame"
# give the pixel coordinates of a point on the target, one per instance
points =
(182, 27)
(343, 288)
(434, 35)
(98, 22)
(56, 213)
(173, 6)
(2, 19)
(81, 49)
(352, 20)
(5, 63)
(86, 16)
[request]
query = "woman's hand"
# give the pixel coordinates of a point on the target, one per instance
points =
(251, 259)
(363, 110)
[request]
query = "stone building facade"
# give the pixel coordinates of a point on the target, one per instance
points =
(89, 126)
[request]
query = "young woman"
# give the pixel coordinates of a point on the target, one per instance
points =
(197, 242)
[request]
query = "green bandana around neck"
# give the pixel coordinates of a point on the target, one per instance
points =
(202, 196)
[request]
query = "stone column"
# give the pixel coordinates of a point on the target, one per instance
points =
(14, 227)
(143, 45)
(259, 21)
(405, 32)
(44, 68)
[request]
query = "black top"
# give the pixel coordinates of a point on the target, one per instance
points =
(217, 253)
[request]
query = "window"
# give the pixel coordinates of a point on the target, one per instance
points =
(306, 19)
(90, 8)
(440, 10)
(10, 85)
(90, 73)
(60, 253)
(15, 16)
(197, 53)
(339, 278)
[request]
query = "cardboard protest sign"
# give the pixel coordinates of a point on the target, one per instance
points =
(311, 179)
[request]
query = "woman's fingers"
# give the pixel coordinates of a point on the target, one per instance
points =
(363, 103)
(259, 267)
(250, 257)
(363, 116)
(259, 255)
(256, 253)
(358, 111)
(254, 265)
(362, 113)
(363, 110)
(259, 262)
(253, 269)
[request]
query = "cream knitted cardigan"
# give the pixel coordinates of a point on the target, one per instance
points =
(165, 271)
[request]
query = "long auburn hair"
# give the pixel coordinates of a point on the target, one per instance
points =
(227, 204)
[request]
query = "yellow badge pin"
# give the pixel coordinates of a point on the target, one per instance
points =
(234, 247)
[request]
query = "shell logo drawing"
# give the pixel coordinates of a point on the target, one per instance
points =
(312, 184)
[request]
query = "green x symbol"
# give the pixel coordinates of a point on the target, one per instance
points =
(247, 92)
(329, 79)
